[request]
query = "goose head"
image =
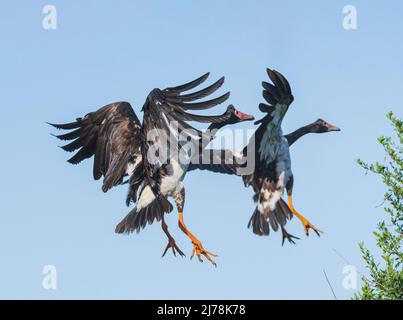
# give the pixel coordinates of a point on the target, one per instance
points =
(321, 126)
(235, 116)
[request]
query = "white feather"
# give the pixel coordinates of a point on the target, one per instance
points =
(132, 166)
(268, 199)
(276, 195)
(170, 184)
(146, 197)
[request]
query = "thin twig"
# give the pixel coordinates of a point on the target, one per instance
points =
(341, 256)
(328, 282)
(380, 205)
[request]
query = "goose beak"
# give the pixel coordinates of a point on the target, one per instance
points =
(331, 127)
(243, 116)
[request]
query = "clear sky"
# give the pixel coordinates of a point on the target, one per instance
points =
(53, 213)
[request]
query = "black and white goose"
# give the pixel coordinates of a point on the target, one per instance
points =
(150, 153)
(269, 150)
(272, 174)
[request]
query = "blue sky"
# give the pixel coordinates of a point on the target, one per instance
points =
(102, 51)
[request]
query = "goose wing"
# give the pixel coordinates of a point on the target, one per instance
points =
(216, 160)
(112, 135)
(166, 118)
(267, 138)
(278, 96)
(171, 105)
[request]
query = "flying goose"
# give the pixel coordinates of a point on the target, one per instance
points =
(272, 164)
(149, 153)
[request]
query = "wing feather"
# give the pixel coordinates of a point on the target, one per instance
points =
(190, 85)
(163, 107)
(278, 96)
(69, 136)
(216, 160)
(205, 104)
(112, 135)
(198, 94)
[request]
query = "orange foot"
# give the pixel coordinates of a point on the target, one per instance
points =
(307, 225)
(199, 250)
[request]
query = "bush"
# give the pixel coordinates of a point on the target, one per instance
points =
(385, 280)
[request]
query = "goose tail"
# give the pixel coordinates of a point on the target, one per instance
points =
(263, 219)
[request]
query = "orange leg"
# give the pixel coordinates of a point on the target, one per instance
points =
(197, 246)
(305, 222)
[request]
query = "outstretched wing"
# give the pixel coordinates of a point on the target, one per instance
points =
(166, 116)
(278, 96)
(216, 160)
(164, 106)
(112, 135)
(267, 138)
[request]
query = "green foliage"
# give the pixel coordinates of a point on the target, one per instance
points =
(385, 279)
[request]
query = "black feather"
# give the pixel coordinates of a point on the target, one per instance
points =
(67, 126)
(191, 84)
(205, 104)
(199, 94)
(84, 153)
(266, 108)
(69, 136)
